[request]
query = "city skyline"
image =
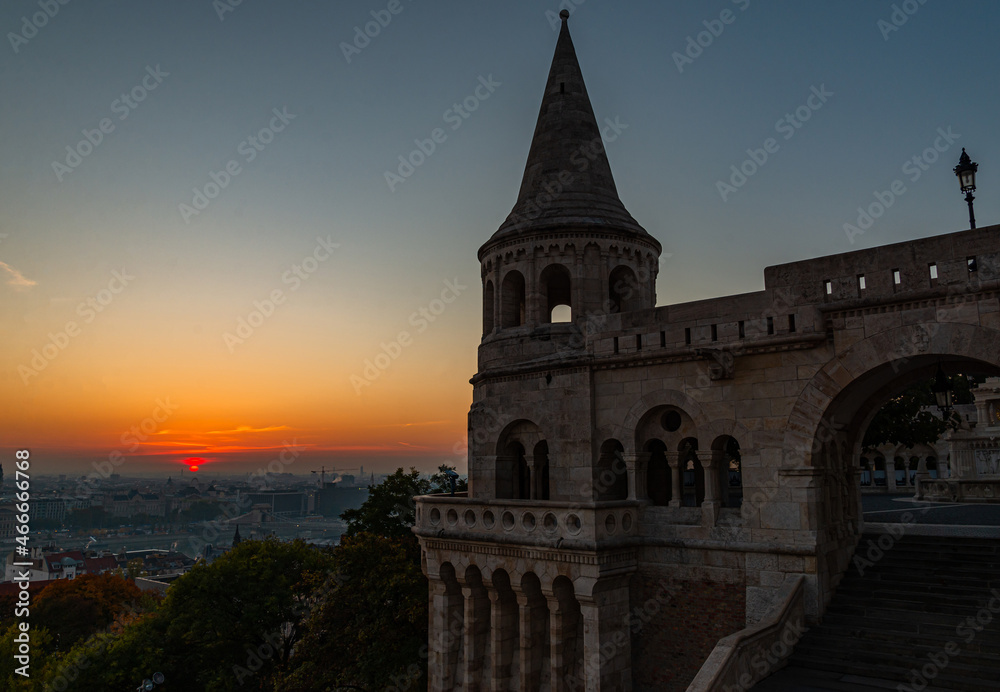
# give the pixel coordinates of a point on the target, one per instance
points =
(262, 222)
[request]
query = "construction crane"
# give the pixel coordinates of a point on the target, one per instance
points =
(333, 471)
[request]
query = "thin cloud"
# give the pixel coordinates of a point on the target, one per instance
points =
(16, 279)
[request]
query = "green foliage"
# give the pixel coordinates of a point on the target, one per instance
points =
(370, 631)
(73, 609)
(389, 510)
(902, 422)
(441, 483)
(248, 605)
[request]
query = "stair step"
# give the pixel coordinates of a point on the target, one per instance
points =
(888, 620)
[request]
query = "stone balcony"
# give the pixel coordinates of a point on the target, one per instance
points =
(547, 524)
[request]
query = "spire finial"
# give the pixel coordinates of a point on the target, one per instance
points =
(564, 15)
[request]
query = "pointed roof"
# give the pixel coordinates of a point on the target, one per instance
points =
(567, 179)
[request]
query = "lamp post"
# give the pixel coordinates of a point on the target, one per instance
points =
(942, 391)
(966, 172)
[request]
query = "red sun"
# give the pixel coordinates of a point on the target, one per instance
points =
(193, 463)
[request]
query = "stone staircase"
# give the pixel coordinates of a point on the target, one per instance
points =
(904, 620)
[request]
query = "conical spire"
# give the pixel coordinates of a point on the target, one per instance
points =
(567, 179)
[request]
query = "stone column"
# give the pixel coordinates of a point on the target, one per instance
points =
(476, 633)
(438, 677)
(632, 468)
(504, 637)
(710, 505)
(532, 627)
(676, 489)
(606, 637)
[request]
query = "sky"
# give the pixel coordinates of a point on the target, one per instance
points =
(216, 240)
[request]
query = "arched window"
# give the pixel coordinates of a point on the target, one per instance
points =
(556, 290)
(513, 478)
(730, 469)
(623, 290)
(610, 473)
(488, 299)
(914, 464)
(899, 468)
(512, 300)
(693, 479)
(658, 473)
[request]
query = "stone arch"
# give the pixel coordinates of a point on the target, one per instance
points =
(824, 430)
(680, 401)
(623, 290)
(513, 466)
(488, 307)
(610, 472)
(512, 300)
(555, 285)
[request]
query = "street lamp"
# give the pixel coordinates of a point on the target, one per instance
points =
(942, 391)
(966, 172)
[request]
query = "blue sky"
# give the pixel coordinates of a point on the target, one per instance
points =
(888, 86)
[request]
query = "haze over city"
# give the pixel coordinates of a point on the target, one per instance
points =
(230, 228)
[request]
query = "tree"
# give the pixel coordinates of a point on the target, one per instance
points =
(227, 626)
(72, 609)
(904, 421)
(370, 630)
(390, 509)
(441, 482)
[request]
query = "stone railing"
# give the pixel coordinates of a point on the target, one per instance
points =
(527, 522)
(743, 659)
(958, 489)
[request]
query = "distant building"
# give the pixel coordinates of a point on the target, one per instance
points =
(62, 565)
(332, 499)
(288, 504)
(6, 522)
(47, 508)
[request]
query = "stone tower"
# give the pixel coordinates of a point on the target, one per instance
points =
(645, 481)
